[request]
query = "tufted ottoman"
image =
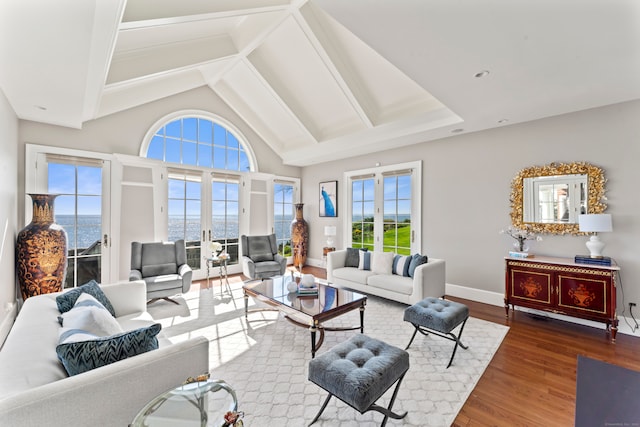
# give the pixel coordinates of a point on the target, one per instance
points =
(358, 372)
(440, 317)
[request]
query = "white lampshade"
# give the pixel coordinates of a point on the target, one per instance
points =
(330, 231)
(595, 223)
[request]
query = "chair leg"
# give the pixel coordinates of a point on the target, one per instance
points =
(152, 300)
(324, 405)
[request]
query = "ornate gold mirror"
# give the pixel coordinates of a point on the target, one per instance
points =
(549, 198)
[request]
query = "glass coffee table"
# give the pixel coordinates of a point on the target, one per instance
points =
(197, 404)
(329, 303)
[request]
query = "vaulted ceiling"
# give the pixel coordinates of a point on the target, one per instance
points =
(324, 79)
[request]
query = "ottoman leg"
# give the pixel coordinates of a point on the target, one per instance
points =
(324, 405)
(458, 342)
(412, 337)
(387, 411)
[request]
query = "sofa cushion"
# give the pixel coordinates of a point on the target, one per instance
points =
(401, 265)
(80, 351)
(416, 260)
(392, 282)
(66, 300)
(364, 262)
(351, 274)
(89, 315)
(382, 262)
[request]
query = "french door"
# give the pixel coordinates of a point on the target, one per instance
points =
(204, 207)
(82, 209)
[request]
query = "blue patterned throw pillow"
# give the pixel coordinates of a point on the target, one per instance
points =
(67, 299)
(401, 265)
(416, 260)
(80, 351)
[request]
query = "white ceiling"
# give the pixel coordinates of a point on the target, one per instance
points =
(324, 79)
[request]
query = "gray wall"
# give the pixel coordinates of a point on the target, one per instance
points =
(466, 179)
(467, 183)
(8, 207)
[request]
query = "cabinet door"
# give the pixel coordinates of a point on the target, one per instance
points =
(530, 287)
(584, 294)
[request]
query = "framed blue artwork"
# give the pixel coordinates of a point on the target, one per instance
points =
(328, 200)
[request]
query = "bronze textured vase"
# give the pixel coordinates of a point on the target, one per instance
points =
(41, 250)
(299, 237)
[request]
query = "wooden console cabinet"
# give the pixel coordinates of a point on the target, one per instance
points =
(561, 286)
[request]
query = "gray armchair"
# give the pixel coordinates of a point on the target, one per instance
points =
(163, 266)
(260, 257)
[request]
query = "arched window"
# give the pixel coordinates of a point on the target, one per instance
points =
(198, 139)
(202, 205)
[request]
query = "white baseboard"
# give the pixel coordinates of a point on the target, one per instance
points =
(497, 299)
(10, 313)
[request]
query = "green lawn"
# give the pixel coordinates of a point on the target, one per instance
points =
(389, 240)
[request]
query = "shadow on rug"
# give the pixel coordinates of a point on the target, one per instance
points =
(265, 360)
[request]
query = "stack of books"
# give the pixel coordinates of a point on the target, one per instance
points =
(515, 254)
(304, 290)
(586, 259)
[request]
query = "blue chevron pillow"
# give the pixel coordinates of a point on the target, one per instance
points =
(80, 351)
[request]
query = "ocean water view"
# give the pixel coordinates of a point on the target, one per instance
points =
(88, 229)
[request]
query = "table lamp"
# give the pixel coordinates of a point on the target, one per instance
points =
(595, 223)
(330, 231)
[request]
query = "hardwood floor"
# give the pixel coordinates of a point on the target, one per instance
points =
(531, 380)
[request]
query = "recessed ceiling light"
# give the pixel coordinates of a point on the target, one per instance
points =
(481, 74)
(457, 130)
(501, 121)
(40, 107)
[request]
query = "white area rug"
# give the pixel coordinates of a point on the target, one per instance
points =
(266, 359)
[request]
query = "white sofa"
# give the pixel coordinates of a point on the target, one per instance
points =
(427, 281)
(36, 391)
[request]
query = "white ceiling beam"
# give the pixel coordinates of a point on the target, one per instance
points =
(103, 42)
(161, 59)
(124, 95)
(313, 30)
(285, 106)
(242, 109)
(151, 13)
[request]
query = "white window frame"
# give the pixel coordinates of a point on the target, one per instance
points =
(378, 174)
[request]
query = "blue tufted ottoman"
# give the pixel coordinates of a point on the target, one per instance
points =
(359, 371)
(440, 317)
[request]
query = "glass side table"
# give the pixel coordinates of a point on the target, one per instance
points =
(198, 404)
(221, 263)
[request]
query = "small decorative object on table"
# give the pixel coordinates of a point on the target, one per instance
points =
(308, 285)
(521, 236)
(233, 419)
(215, 247)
